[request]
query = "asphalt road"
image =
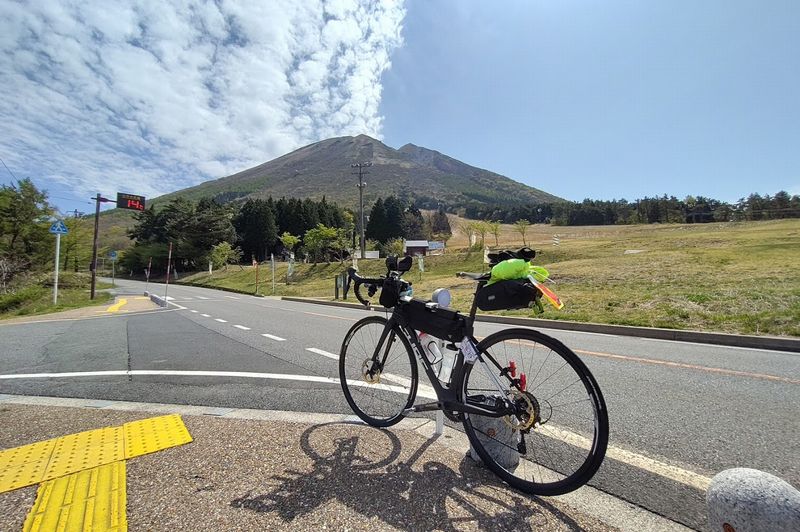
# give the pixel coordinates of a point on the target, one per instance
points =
(675, 408)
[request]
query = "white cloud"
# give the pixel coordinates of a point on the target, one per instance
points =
(152, 96)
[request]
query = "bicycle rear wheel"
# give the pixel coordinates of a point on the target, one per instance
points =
(558, 440)
(377, 390)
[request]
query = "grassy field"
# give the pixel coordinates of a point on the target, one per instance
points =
(35, 296)
(741, 277)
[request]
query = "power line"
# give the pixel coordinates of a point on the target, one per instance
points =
(9, 170)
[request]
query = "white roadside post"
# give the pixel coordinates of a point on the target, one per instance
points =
(55, 277)
(57, 228)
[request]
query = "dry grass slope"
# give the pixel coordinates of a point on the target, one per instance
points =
(729, 277)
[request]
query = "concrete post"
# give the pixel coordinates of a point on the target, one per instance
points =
(748, 500)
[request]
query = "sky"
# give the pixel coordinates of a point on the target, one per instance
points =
(599, 99)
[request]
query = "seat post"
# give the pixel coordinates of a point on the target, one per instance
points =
(474, 309)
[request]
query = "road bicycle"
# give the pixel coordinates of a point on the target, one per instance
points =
(531, 409)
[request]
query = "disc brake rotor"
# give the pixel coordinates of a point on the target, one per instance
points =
(368, 374)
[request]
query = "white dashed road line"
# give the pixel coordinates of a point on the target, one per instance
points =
(273, 337)
(201, 297)
(193, 312)
(323, 353)
(220, 320)
(205, 315)
(231, 297)
(242, 327)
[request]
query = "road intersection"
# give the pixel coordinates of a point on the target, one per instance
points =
(679, 412)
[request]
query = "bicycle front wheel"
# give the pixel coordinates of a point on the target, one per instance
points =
(379, 381)
(558, 439)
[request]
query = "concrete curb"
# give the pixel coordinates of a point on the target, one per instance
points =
(160, 301)
(776, 343)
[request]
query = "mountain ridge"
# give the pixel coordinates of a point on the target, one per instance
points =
(427, 176)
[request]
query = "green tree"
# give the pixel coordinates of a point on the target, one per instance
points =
(440, 225)
(377, 224)
(76, 245)
(318, 240)
(413, 224)
(24, 217)
(394, 247)
(255, 227)
(481, 228)
(289, 241)
(521, 227)
(494, 229)
(223, 254)
(468, 230)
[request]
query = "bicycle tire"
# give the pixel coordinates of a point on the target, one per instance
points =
(520, 472)
(394, 395)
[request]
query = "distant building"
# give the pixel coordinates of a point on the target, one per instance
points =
(416, 247)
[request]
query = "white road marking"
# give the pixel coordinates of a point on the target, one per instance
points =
(220, 320)
(675, 473)
(323, 353)
(205, 315)
(113, 373)
(273, 337)
(201, 297)
(194, 312)
(242, 327)
(169, 298)
(683, 476)
(232, 297)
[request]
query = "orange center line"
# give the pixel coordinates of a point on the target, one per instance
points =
(682, 365)
(710, 369)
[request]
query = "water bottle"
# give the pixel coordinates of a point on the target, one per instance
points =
(430, 347)
(448, 360)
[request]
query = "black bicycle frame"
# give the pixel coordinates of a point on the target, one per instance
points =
(448, 397)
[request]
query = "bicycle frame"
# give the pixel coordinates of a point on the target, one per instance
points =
(449, 398)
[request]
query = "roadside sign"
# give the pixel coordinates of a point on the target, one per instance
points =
(58, 228)
(112, 255)
(130, 201)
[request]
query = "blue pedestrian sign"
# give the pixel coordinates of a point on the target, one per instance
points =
(58, 228)
(112, 255)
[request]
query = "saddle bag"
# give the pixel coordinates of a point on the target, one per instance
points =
(506, 295)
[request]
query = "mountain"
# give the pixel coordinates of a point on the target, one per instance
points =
(323, 169)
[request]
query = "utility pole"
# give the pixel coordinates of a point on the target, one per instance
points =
(361, 184)
(98, 200)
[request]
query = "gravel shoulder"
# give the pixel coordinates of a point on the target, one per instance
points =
(245, 474)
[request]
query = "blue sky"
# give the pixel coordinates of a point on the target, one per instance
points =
(601, 99)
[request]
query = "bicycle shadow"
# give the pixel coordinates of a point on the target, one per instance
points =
(361, 472)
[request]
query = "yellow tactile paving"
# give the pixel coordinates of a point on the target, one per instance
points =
(84, 450)
(37, 462)
(154, 434)
(91, 500)
(26, 465)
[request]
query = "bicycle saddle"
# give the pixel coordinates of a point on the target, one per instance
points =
(475, 276)
(522, 253)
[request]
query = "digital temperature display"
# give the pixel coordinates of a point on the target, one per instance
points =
(130, 201)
